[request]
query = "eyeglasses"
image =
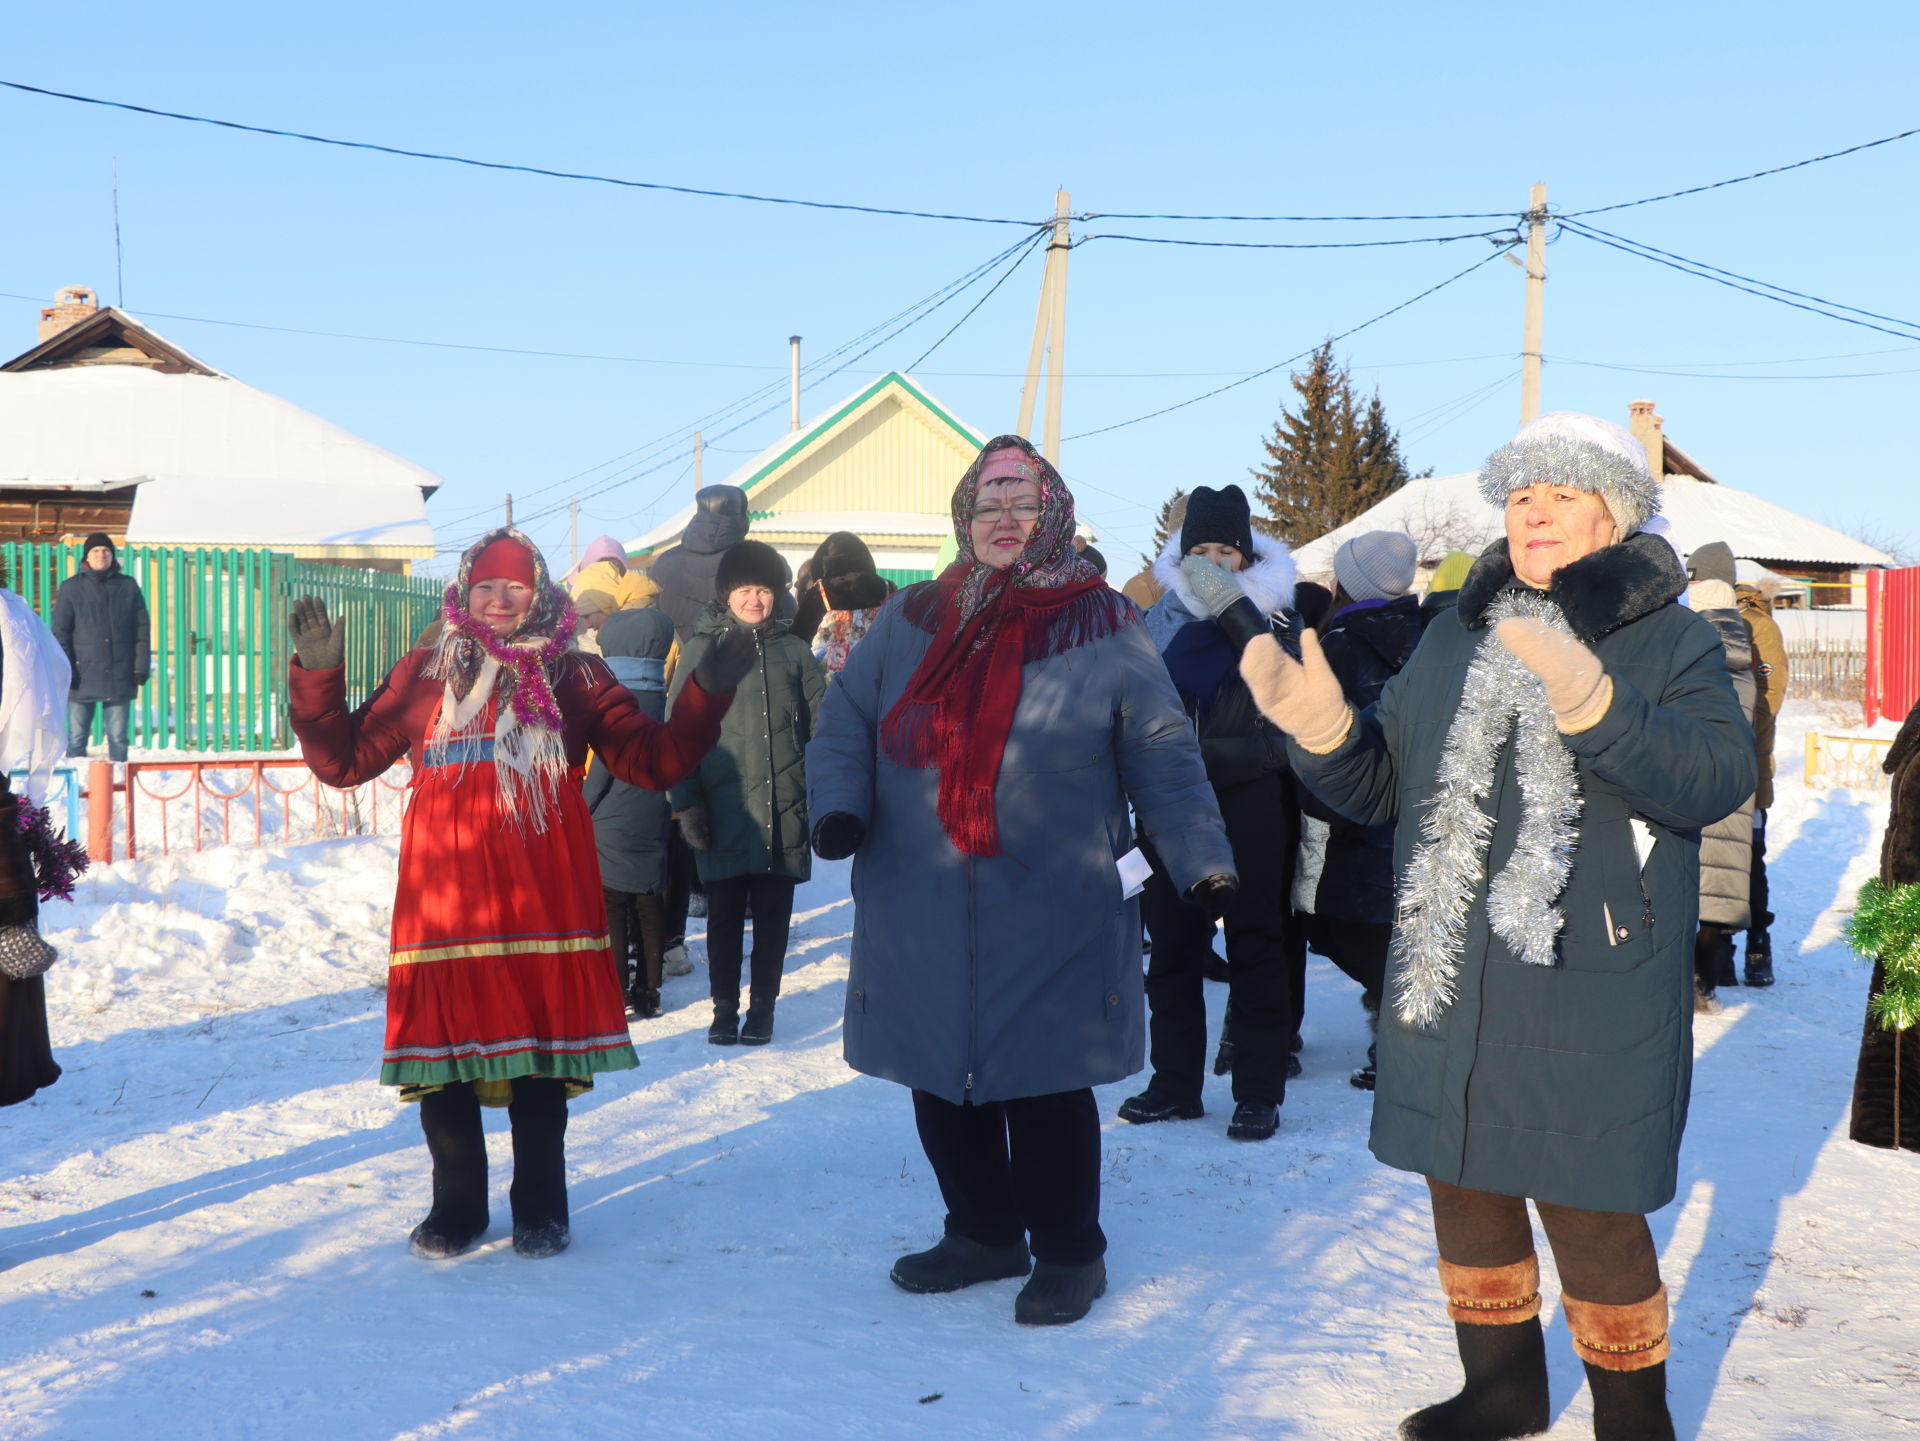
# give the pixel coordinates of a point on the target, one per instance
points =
(1023, 510)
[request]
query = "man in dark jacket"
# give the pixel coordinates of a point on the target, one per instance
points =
(100, 620)
(685, 573)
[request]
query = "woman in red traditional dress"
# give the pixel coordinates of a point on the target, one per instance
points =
(501, 990)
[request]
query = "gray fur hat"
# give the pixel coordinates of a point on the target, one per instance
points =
(1564, 447)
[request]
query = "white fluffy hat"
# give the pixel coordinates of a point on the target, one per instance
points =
(1565, 447)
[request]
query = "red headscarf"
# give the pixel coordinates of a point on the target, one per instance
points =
(958, 707)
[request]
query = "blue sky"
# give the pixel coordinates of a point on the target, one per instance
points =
(984, 109)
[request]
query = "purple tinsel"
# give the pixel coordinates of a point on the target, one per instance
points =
(57, 861)
(532, 694)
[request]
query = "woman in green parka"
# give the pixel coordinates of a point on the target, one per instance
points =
(744, 811)
(1548, 758)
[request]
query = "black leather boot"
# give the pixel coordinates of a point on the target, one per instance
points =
(958, 1262)
(450, 1118)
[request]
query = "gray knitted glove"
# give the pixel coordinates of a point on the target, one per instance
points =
(320, 643)
(1212, 585)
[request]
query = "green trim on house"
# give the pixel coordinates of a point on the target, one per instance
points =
(902, 577)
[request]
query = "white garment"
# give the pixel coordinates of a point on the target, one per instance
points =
(35, 678)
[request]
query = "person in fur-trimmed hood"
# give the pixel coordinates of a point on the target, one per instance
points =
(1549, 757)
(841, 599)
(1216, 551)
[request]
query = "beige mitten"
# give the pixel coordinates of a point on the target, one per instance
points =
(1302, 697)
(1578, 688)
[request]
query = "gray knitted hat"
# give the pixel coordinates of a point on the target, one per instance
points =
(1564, 447)
(1376, 566)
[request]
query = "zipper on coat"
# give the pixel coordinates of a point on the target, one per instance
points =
(973, 977)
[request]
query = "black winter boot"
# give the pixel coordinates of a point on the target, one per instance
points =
(958, 1262)
(1630, 1405)
(1151, 1105)
(725, 1030)
(1059, 1295)
(538, 1113)
(757, 1028)
(450, 1117)
(1254, 1121)
(643, 1005)
(1506, 1391)
(1759, 959)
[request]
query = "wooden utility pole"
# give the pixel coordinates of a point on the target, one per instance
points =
(699, 454)
(509, 507)
(1049, 335)
(1536, 300)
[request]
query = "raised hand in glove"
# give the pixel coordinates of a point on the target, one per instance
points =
(695, 828)
(1219, 594)
(1578, 688)
(1213, 895)
(726, 661)
(837, 835)
(1302, 697)
(319, 642)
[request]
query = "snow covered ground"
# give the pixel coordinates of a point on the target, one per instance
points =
(202, 1226)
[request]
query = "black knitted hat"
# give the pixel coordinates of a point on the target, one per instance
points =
(1220, 516)
(98, 538)
(750, 562)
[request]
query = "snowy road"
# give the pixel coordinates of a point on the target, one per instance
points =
(202, 1226)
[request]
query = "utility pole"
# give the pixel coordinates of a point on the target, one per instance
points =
(1049, 334)
(699, 454)
(793, 351)
(1536, 300)
(573, 533)
(509, 507)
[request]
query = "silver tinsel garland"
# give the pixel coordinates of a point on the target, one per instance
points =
(1562, 460)
(1501, 698)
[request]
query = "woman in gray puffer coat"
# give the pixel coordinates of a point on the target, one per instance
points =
(630, 823)
(1549, 756)
(977, 756)
(744, 811)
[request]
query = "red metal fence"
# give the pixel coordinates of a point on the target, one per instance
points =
(166, 806)
(1893, 643)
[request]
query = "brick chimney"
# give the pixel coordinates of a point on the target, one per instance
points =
(71, 305)
(1648, 429)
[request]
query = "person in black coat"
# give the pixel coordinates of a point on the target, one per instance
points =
(100, 620)
(840, 577)
(629, 823)
(1216, 562)
(1371, 635)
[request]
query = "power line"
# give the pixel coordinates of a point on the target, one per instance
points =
(1005, 276)
(523, 169)
(1742, 179)
(1715, 375)
(1303, 219)
(1498, 236)
(1281, 365)
(1687, 268)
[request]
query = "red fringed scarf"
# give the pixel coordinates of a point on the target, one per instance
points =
(958, 707)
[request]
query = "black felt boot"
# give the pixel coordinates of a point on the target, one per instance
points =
(1506, 1391)
(539, 1192)
(450, 1118)
(1630, 1405)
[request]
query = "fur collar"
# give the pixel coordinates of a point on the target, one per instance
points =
(1268, 582)
(1598, 593)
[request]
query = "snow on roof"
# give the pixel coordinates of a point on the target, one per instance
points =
(224, 463)
(1445, 512)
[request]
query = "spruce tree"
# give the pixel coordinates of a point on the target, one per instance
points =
(1163, 527)
(1328, 458)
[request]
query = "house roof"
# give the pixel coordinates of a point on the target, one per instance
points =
(792, 446)
(1445, 512)
(109, 326)
(217, 462)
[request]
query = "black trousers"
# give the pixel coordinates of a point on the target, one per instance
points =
(1028, 1167)
(1757, 879)
(636, 925)
(727, 900)
(681, 880)
(1262, 828)
(1359, 949)
(1606, 1257)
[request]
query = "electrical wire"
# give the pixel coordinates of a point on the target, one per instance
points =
(1301, 219)
(1497, 236)
(1005, 276)
(1292, 359)
(1714, 375)
(1742, 179)
(522, 169)
(1687, 268)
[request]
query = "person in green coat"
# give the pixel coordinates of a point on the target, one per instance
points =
(744, 811)
(1548, 758)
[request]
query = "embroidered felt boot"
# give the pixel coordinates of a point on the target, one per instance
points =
(538, 1112)
(450, 1118)
(1496, 1316)
(1625, 1351)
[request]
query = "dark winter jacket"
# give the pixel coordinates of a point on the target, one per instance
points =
(685, 573)
(1016, 975)
(843, 577)
(1886, 1083)
(1367, 645)
(630, 824)
(754, 782)
(1237, 743)
(100, 620)
(1567, 1083)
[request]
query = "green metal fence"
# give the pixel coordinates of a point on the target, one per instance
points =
(219, 627)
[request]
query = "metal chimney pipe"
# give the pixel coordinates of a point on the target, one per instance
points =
(793, 343)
